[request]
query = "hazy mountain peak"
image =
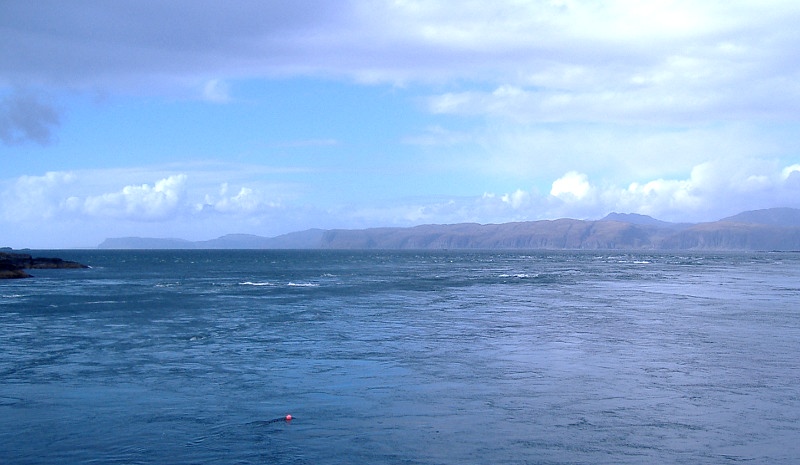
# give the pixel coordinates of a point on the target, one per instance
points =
(634, 218)
(786, 217)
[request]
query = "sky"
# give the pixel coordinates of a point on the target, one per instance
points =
(196, 118)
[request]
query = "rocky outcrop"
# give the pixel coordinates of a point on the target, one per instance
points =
(10, 271)
(13, 265)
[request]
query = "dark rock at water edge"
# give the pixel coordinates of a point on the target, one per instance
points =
(13, 265)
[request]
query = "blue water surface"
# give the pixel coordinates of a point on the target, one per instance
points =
(186, 357)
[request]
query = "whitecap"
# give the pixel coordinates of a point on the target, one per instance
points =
(167, 284)
(519, 275)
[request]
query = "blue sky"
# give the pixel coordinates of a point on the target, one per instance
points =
(196, 119)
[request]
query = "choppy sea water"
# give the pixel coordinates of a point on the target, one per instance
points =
(185, 357)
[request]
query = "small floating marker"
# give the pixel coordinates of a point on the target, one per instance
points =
(286, 419)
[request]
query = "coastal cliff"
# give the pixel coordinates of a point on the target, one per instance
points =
(771, 229)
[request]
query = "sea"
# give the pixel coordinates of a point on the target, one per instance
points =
(402, 357)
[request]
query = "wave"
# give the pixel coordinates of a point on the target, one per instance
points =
(519, 275)
(271, 284)
(251, 283)
(165, 285)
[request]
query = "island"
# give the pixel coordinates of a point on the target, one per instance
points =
(13, 265)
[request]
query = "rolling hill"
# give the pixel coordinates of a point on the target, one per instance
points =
(771, 229)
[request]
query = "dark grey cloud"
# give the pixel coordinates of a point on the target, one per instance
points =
(106, 44)
(97, 42)
(570, 60)
(25, 117)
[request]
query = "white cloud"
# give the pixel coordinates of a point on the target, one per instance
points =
(31, 197)
(96, 195)
(571, 187)
(658, 198)
(790, 171)
(711, 191)
(163, 200)
(517, 199)
(245, 201)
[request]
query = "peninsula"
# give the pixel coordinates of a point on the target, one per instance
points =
(13, 265)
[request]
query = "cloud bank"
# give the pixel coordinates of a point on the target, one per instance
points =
(549, 60)
(143, 202)
(201, 198)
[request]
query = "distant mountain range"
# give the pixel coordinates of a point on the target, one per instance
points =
(770, 229)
